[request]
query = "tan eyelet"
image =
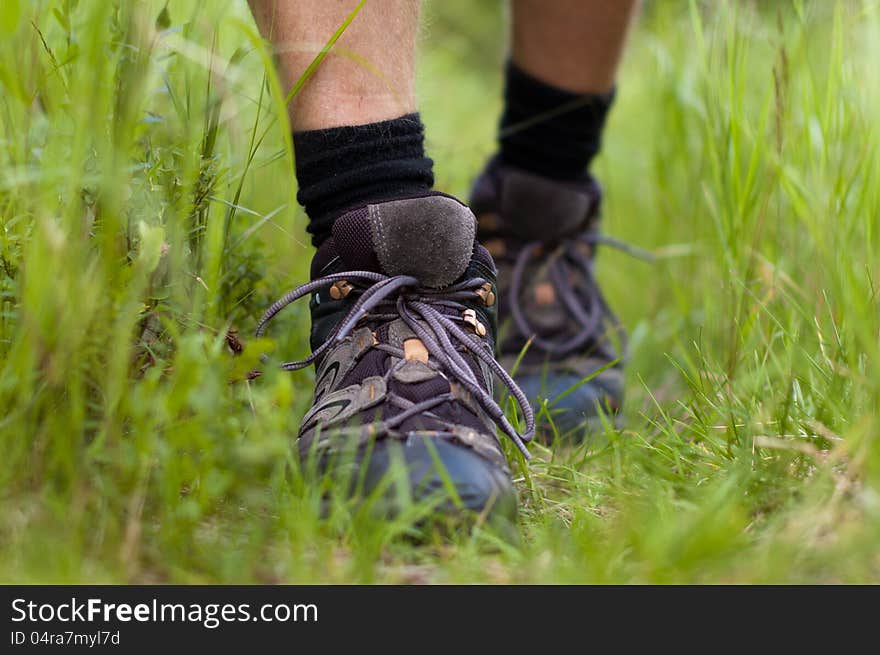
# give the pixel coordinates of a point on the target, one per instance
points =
(489, 221)
(486, 294)
(340, 289)
(545, 294)
(470, 318)
(496, 247)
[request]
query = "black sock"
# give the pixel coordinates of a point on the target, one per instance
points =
(548, 130)
(343, 167)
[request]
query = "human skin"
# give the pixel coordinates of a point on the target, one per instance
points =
(369, 74)
(575, 45)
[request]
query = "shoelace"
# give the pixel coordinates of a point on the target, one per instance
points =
(586, 308)
(401, 296)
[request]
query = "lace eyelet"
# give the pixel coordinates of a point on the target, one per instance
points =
(486, 294)
(470, 318)
(340, 289)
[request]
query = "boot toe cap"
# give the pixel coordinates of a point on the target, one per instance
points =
(575, 406)
(437, 469)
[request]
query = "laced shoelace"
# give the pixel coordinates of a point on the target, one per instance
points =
(586, 309)
(386, 298)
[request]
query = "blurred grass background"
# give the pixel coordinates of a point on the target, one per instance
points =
(147, 207)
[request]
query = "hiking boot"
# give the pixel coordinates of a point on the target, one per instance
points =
(403, 328)
(543, 235)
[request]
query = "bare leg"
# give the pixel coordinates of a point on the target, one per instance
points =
(538, 191)
(368, 76)
(575, 45)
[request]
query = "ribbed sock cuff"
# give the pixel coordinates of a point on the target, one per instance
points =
(548, 130)
(343, 167)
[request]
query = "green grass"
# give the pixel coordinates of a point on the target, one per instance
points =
(148, 206)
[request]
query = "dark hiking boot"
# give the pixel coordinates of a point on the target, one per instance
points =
(403, 328)
(543, 236)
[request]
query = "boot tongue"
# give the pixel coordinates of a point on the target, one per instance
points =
(430, 238)
(536, 208)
